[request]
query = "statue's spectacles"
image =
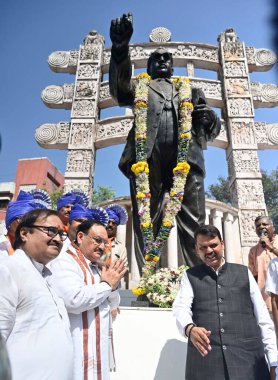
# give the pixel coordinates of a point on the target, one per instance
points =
(165, 56)
(51, 231)
(99, 240)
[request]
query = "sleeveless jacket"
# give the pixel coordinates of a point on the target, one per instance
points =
(222, 304)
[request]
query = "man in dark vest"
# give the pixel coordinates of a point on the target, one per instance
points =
(221, 310)
(162, 139)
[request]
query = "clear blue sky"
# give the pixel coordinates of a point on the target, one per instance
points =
(30, 30)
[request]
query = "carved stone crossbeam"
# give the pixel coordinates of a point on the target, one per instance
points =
(114, 130)
(204, 56)
(264, 95)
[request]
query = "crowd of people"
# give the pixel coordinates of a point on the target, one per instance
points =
(61, 272)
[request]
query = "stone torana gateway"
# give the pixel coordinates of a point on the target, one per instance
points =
(233, 92)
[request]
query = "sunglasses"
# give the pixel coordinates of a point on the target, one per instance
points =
(51, 231)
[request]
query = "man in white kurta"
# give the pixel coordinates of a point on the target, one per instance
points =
(88, 295)
(33, 320)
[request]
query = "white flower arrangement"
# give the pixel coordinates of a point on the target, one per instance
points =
(161, 288)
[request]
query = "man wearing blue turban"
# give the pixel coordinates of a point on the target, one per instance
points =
(24, 203)
(117, 250)
(66, 202)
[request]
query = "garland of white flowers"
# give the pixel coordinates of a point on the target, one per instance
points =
(141, 169)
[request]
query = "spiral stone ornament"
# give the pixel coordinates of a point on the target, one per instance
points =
(52, 94)
(273, 133)
(160, 35)
(270, 92)
(265, 57)
(47, 134)
(58, 59)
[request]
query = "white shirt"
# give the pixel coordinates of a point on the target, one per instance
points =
(271, 285)
(182, 312)
(4, 246)
(33, 321)
(81, 298)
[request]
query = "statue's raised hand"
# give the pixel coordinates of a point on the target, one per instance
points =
(121, 30)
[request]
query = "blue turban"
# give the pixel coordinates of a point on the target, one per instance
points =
(17, 209)
(79, 212)
(24, 203)
(117, 213)
(67, 199)
(74, 197)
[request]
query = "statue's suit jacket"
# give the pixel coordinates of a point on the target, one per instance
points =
(122, 88)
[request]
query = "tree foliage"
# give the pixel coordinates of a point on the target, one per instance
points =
(103, 193)
(220, 191)
(54, 197)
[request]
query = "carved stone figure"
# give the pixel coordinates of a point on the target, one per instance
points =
(162, 125)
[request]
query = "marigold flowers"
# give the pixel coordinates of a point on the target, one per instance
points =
(182, 167)
(139, 167)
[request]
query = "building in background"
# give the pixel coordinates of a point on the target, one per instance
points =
(37, 173)
(31, 173)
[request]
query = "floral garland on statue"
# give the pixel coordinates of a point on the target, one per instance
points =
(141, 169)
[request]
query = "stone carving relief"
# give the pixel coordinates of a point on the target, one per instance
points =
(250, 194)
(239, 107)
(244, 161)
(104, 92)
(261, 132)
(73, 59)
(59, 59)
(64, 61)
(86, 89)
(53, 94)
(138, 52)
(160, 34)
(119, 128)
(106, 56)
(235, 69)
(266, 93)
(58, 94)
(233, 51)
(93, 38)
(90, 52)
(237, 86)
(84, 108)
(269, 92)
(81, 135)
(248, 234)
(210, 54)
(211, 89)
(87, 71)
(265, 57)
(83, 184)
(79, 161)
(53, 134)
(243, 132)
(273, 133)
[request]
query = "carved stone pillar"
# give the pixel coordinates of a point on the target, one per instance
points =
(228, 236)
(172, 248)
(217, 216)
(243, 164)
(207, 215)
(84, 115)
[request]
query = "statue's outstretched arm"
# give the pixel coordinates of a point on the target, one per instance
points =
(120, 71)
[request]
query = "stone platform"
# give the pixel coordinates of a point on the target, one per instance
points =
(148, 345)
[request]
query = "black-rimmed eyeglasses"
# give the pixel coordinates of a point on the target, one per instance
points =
(99, 240)
(51, 231)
